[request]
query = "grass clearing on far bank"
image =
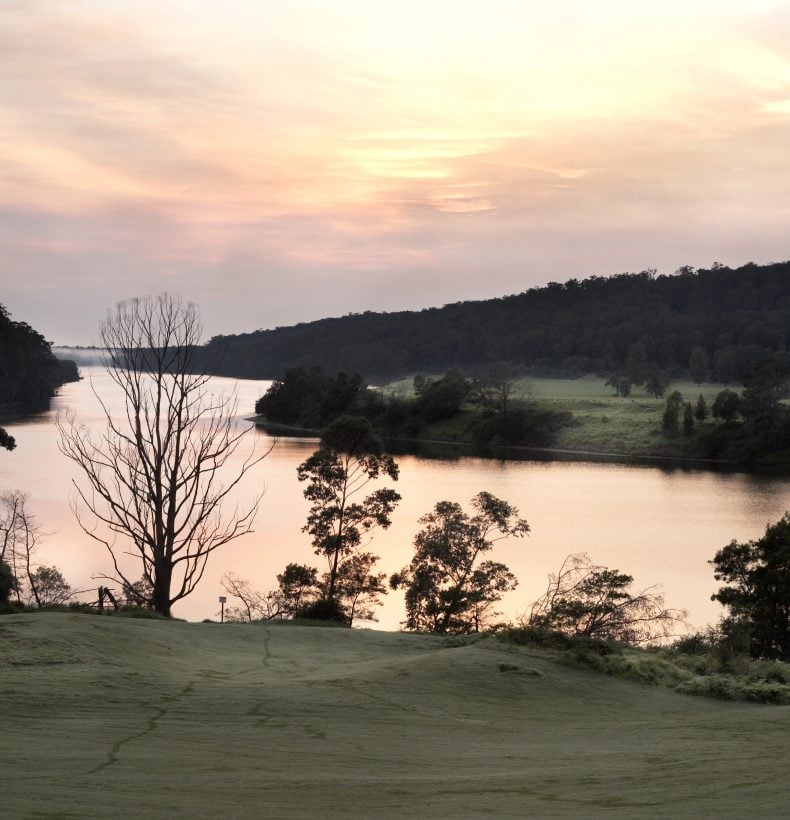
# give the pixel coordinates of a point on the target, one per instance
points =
(603, 422)
(160, 719)
(606, 423)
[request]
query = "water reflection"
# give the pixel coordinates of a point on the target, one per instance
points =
(659, 523)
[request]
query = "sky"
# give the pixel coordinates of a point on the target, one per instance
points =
(281, 162)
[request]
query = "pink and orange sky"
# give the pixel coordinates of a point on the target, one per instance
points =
(280, 162)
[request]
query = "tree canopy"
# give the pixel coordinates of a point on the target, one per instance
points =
(757, 589)
(8, 582)
(448, 587)
(7, 441)
(594, 601)
(337, 476)
(311, 398)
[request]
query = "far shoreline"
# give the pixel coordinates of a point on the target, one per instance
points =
(520, 453)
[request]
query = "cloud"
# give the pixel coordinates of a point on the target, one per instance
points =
(283, 162)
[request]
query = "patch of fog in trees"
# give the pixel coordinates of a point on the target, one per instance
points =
(81, 356)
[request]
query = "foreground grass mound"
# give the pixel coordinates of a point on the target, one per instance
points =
(145, 718)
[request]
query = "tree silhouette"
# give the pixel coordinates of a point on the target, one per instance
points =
(6, 440)
(448, 587)
(586, 599)
(158, 475)
(349, 459)
(757, 589)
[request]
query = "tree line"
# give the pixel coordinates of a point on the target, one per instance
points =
(720, 321)
(750, 426)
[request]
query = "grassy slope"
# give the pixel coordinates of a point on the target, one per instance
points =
(609, 424)
(114, 717)
(603, 422)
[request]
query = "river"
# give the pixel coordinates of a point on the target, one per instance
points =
(660, 524)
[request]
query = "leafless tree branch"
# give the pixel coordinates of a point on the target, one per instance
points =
(155, 480)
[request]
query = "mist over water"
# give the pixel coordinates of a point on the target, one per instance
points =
(660, 524)
(81, 356)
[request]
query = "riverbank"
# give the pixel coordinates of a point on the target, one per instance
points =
(454, 447)
(605, 427)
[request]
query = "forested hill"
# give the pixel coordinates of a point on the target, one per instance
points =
(734, 317)
(29, 372)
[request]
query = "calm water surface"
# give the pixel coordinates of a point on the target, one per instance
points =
(660, 525)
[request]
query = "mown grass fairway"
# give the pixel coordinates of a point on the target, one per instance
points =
(124, 718)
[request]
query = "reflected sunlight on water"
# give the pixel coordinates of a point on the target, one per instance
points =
(661, 525)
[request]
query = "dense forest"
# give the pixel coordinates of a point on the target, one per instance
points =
(729, 319)
(29, 372)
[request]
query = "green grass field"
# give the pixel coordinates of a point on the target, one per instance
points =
(603, 422)
(606, 423)
(130, 718)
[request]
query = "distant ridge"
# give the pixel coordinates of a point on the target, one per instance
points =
(736, 316)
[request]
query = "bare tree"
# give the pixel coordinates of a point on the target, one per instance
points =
(587, 599)
(255, 606)
(155, 479)
(298, 586)
(19, 537)
(11, 505)
(498, 387)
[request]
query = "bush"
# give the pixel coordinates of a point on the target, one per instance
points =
(525, 426)
(580, 646)
(7, 583)
(325, 609)
(142, 612)
(705, 663)
(698, 643)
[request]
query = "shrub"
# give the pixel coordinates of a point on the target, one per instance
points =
(7, 582)
(141, 612)
(325, 609)
(694, 665)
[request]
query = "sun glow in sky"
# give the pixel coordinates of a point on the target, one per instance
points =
(279, 162)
